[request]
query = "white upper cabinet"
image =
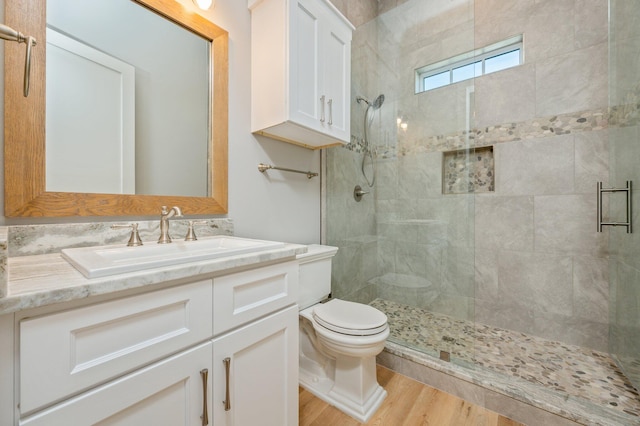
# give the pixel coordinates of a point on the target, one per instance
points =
(300, 72)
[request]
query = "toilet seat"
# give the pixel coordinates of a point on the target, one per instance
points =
(353, 319)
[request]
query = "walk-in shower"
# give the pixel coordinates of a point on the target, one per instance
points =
(479, 239)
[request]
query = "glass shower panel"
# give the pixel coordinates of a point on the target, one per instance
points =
(408, 247)
(624, 148)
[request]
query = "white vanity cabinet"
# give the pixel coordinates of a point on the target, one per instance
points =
(65, 353)
(255, 351)
(171, 392)
(165, 357)
(259, 365)
(300, 72)
(115, 362)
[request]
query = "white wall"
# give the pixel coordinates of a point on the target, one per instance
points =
(274, 205)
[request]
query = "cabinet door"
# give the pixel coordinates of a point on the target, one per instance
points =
(256, 373)
(305, 77)
(336, 61)
(68, 352)
(169, 393)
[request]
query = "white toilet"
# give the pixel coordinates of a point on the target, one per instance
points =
(339, 341)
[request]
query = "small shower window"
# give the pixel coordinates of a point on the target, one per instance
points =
(496, 57)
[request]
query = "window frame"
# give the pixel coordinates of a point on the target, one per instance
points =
(468, 58)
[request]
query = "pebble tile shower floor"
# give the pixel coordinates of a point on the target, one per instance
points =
(569, 369)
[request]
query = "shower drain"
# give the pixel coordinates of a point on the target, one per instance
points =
(446, 355)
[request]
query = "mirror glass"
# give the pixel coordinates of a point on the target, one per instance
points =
(26, 193)
(127, 101)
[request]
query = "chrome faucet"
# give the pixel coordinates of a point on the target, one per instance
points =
(164, 223)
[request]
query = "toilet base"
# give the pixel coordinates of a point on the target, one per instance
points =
(354, 390)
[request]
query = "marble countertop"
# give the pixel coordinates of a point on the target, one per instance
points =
(46, 279)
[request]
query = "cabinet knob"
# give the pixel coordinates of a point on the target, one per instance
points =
(330, 102)
(322, 98)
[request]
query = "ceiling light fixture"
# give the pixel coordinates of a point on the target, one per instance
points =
(204, 4)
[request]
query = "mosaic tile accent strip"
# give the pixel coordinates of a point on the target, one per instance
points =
(624, 115)
(509, 132)
(571, 370)
(467, 171)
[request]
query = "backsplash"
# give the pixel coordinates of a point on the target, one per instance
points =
(30, 240)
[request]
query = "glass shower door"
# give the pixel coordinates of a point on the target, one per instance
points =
(407, 247)
(624, 165)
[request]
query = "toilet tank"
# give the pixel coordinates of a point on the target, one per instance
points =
(314, 278)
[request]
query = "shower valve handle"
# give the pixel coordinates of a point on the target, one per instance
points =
(358, 193)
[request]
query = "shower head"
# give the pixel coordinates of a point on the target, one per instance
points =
(375, 104)
(378, 102)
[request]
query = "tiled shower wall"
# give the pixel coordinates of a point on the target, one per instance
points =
(525, 257)
(351, 225)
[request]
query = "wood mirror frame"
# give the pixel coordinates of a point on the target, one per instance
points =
(25, 192)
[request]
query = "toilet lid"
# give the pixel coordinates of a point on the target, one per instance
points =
(355, 319)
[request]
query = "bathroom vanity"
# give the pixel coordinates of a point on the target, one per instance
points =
(207, 342)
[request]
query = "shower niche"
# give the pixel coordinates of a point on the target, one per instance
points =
(466, 171)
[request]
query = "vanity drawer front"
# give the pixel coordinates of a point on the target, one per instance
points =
(64, 353)
(245, 296)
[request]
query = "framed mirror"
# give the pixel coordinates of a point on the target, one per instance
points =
(26, 192)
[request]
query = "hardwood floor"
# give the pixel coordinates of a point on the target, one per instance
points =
(408, 403)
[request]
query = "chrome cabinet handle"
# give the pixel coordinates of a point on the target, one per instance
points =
(330, 111)
(322, 108)
(227, 400)
(205, 411)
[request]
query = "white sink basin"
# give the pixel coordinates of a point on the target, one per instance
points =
(102, 261)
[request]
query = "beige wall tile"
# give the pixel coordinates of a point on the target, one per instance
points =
(575, 81)
(591, 160)
(486, 276)
(504, 222)
(495, 102)
(539, 280)
(549, 30)
(537, 166)
(591, 288)
(567, 224)
(497, 20)
(591, 22)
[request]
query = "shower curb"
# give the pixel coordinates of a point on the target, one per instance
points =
(515, 399)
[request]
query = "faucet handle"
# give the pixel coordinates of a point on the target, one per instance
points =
(176, 211)
(134, 238)
(191, 235)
